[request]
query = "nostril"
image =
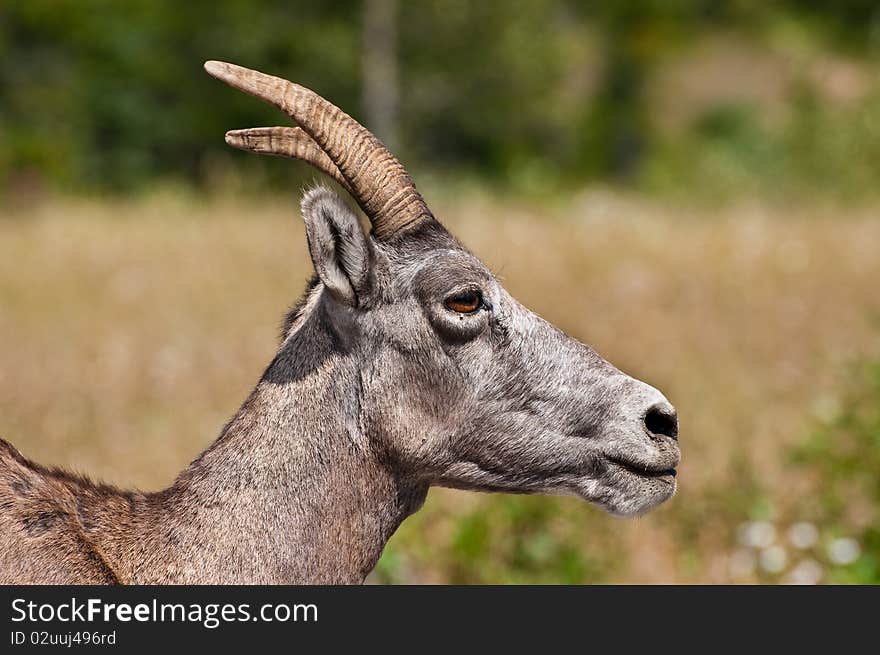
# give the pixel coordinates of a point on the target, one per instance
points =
(662, 420)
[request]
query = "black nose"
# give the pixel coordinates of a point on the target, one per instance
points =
(662, 420)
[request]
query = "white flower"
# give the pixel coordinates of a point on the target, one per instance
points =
(808, 571)
(803, 535)
(843, 551)
(756, 534)
(773, 559)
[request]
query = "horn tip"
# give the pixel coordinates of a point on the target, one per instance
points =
(218, 69)
(236, 138)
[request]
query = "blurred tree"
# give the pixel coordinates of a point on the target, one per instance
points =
(616, 130)
(380, 69)
(852, 24)
(107, 95)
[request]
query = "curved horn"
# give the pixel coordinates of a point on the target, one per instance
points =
(291, 142)
(379, 183)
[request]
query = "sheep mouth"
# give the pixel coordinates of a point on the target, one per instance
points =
(644, 470)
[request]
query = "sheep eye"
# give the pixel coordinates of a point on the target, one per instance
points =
(464, 302)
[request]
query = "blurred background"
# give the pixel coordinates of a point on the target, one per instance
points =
(691, 186)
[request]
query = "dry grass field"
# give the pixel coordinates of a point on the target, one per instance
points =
(130, 331)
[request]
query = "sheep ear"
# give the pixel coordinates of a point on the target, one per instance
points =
(340, 251)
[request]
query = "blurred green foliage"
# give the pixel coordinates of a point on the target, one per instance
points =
(842, 455)
(516, 539)
(728, 153)
(533, 94)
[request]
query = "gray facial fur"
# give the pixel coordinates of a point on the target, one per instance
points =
(497, 400)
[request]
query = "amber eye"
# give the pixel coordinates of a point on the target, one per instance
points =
(464, 302)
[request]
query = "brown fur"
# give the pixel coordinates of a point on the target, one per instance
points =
(44, 538)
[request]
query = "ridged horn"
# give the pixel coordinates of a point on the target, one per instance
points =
(377, 180)
(291, 142)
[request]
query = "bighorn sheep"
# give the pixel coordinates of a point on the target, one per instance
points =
(405, 365)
